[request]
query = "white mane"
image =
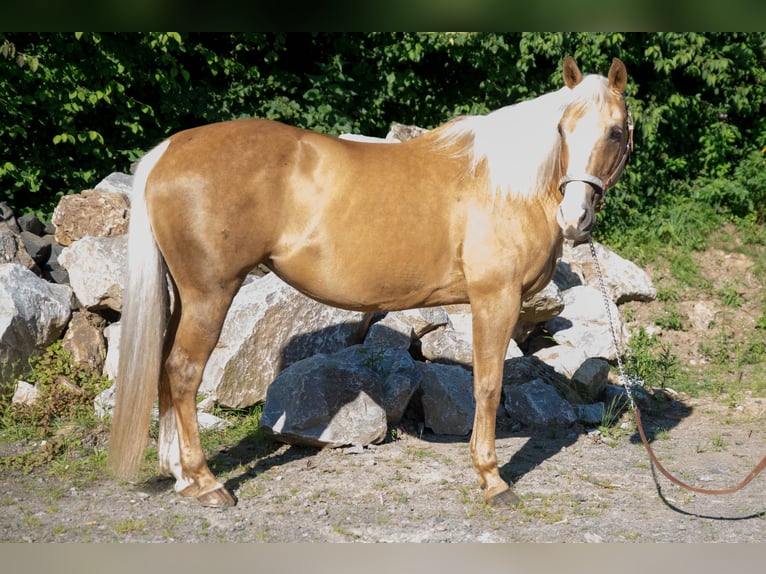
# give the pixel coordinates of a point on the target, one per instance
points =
(520, 142)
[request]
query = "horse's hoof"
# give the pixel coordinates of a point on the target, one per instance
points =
(218, 498)
(504, 498)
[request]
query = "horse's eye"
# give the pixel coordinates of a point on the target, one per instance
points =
(615, 134)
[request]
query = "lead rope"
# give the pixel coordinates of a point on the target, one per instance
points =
(628, 381)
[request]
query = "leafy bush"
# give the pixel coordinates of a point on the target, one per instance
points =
(78, 106)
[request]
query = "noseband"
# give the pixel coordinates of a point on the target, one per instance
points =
(598, 184)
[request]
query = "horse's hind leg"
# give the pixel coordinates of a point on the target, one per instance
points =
(199, 324)
(169, 453)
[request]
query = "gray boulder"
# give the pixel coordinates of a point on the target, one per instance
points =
(33, 314)
(270, 326)
(537, 404)
(447, 398)
(96, 268)
(8, 220)
(116, 182)
(565, 359)
(453, 343)
(624, 280)
(584, 323)
(12, 250)
(591, 414)
(346, 398)
(590, 379)
(542, 306)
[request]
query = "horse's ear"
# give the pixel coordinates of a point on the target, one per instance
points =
(572, 74)
(618, 75)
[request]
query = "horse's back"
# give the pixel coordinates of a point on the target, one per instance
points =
(349, 223)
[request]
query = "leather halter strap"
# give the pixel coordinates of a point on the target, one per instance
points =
(598, 184)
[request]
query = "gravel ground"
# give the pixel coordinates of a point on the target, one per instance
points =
(575, 486)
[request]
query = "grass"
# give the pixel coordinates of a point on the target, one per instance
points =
(731, 358)
(60, 431)
(129, 526)
(651, 359)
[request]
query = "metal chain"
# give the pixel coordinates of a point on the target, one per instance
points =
(627, 381)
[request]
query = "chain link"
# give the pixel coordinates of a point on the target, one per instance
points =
(627, 381)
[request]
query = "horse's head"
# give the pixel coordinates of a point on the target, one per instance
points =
(596, 140)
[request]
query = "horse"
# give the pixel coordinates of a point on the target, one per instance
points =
(474, 211)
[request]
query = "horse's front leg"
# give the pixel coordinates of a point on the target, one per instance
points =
(494, 318)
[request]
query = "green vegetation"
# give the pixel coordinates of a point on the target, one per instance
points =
(80, 105)
(61, 427)
(62, 434)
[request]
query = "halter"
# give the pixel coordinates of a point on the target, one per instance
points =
(597, 183)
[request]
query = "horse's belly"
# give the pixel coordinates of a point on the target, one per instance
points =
(371, 283)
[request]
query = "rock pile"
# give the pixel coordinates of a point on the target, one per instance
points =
(328, 377)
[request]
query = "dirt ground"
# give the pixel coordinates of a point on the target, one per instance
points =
(576, 485)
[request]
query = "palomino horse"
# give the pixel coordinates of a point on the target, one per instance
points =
(474, 211)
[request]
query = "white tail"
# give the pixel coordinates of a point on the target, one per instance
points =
(144, 317)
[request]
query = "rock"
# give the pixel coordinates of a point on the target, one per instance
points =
(116, 182)
(96, 268)
(591, 414)
(33, 314)
(459, 318)
(103, 404)
(392, 331)
(207, 421)
(270, 326)
(397, 134)
(398, 329)
(584, 323)
(453, 344)
(537, 404)
(616, 399)
(565, 277)
(403, 133)
(401, 377)
(39, 248)
(447, 398)
(544, 305)
(425, 320)
(366, 139)
(447, 346)
(565, 359)
(12, 250)
(8, 222)
(92, 213)
(52, 270)
(25, 394)
(31, 224)
(331, 400)
(624, 280)
(700, 315)
(590, 379)
(520, 370)
(84, 339)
